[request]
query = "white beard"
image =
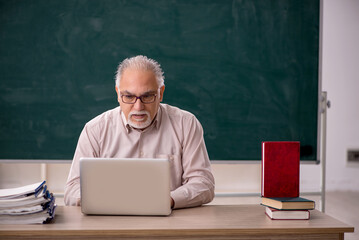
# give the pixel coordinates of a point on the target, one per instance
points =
(139, 125)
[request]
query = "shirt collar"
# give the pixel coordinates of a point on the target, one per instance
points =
(124, 120)
(155, 123)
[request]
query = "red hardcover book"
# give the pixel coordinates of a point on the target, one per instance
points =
(280, 169)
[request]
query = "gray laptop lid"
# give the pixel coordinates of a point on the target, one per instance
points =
(125, 186)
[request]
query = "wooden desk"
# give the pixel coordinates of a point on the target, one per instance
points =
(207, 222)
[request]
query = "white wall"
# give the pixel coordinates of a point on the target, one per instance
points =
(340, 73)
(341, 81)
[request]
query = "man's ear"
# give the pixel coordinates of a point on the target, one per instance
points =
(162, 89)
(118, 94)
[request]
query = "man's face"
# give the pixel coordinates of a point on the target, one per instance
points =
(139, 83)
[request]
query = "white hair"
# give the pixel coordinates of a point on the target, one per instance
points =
(141, 63)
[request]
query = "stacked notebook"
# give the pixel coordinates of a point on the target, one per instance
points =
(30, 204)
(280, 182)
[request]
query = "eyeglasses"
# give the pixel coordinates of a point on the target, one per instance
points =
(131, 99)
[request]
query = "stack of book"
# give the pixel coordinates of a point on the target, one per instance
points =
(280, 182)
(288, 208)
(28, 204)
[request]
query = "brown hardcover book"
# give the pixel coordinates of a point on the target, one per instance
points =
(289, 203)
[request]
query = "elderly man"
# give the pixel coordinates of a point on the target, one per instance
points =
(143, 127)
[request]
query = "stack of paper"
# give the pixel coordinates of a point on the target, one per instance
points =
(29, 204)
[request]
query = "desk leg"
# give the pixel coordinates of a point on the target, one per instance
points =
(341, 236)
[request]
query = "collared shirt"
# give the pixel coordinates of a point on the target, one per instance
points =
(174, 134)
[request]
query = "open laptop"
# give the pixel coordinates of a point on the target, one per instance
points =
(125, 186)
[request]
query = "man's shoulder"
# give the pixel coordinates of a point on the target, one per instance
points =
(175, 112)
(179, 117)
(105, 117)
(181, 120)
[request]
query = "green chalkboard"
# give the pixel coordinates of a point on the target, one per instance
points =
(247, 69)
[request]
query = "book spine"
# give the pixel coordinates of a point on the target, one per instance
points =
(262, 171)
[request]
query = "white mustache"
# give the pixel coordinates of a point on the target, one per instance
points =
(139, 113)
